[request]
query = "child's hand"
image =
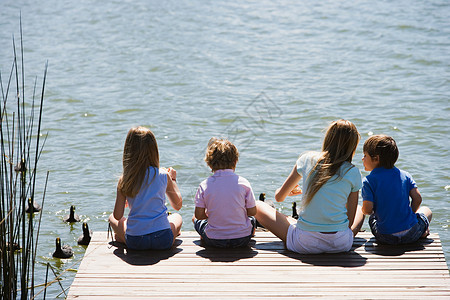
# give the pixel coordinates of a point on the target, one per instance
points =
(172, 173)
(296, 191)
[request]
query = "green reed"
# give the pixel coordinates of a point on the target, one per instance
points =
(20, 150)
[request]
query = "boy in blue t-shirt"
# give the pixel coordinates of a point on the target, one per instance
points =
(386, 192)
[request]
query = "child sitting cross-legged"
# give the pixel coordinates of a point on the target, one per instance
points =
(224, 202)
(386, 193)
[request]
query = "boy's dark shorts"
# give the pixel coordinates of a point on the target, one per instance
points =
(411, 236)
(200, 226)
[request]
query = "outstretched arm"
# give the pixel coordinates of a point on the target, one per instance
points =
(288, 185)
(172, 191)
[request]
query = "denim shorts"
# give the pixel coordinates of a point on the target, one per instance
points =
(158, 240)
(411, 236)
(200, 226)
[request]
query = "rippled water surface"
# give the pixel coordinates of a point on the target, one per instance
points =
(269, 75)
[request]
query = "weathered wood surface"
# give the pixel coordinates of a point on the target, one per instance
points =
(263, 271)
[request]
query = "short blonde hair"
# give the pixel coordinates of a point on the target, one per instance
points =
(221, 154)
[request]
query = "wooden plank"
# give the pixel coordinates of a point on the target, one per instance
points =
(263, 270)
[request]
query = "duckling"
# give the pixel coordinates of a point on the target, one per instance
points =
(62, 252)
(32, 208)
(72, 217)
(86, 237)
(294, 210)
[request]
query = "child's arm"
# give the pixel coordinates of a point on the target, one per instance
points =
(172, 191)
(367, 207)
(288, 185)
(119, 207)
(352, 204)
(251, 211)
(200, 213)
(416, 199)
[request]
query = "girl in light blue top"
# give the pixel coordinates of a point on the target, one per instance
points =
(331, 184)
(143, 185)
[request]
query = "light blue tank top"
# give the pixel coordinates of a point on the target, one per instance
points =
(148, 212)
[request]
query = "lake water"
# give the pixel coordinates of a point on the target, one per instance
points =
(268, 75)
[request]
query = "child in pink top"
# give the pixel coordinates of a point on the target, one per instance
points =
(224, 202)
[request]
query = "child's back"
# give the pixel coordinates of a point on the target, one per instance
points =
(225, 200)
(226, 196)
(386, 195)
(389, 190)
(148, 212)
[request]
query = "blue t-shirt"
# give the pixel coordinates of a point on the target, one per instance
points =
(389, 189)
(327, 210)
(148, 212)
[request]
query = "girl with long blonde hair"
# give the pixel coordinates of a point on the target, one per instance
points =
(331, 184)
(144, 185)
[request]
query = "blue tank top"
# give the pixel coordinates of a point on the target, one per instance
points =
(148, 211)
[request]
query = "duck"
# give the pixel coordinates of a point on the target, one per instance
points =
(86, 237)
(294, 211)
(72, 217)
(62, 252)
(262, 197)
(32, 208)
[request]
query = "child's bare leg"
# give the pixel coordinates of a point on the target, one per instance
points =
(175, 221)
(119, 227)
(271, 219)
(427, 212)
(358, 222)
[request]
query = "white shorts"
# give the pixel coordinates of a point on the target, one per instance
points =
(312, 242)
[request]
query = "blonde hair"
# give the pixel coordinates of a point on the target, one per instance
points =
(139, 153)
(339, 146)
(221, 154)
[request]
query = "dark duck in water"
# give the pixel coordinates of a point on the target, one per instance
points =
(72, 217)
(62, 252)
(86, 237)
(32, 208)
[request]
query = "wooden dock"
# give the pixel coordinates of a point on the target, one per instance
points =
(263, 271)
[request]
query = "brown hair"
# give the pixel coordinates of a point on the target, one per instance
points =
(339, 146)
(384, 147)
(139, 153)
(221, 154)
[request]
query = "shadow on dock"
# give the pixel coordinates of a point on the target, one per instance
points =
(144, 257)
(349, 259)
(226, 255)
(395, 250)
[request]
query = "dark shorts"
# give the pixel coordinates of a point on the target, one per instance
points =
(200, 226)
(410, 237)
(158, 240)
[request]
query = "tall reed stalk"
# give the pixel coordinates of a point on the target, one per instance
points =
(20, 150)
